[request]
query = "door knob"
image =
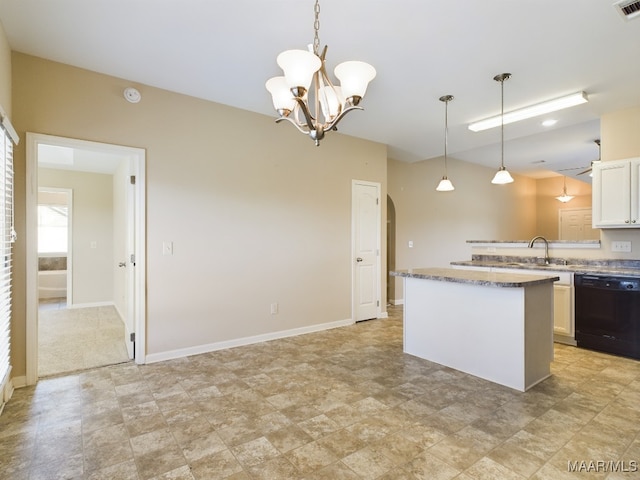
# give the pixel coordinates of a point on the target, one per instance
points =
(358, 259)
(122, 264)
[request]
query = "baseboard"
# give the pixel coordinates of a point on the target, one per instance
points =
(239, 342)
(89, 305)
(19, 382)
(383, 315)
(397, 301)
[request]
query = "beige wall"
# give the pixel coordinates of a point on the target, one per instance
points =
(5, 72)
(92, 223)
(620, 134)
(440, 223)
(257, 214)
(548, 207)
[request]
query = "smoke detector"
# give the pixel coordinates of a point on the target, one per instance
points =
(628, 9)
(132, 95)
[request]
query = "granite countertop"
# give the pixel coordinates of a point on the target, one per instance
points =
(474, 277)
(595, 266)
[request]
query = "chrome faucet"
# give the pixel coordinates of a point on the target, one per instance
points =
(547, 260)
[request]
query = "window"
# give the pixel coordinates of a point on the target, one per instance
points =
(52, 228)
(7, 237)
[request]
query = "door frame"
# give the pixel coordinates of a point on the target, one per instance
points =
(378, 263)
(137, 159)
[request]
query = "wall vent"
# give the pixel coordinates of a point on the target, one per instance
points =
(628, 9)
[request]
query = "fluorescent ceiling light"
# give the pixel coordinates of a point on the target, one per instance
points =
(531, 111)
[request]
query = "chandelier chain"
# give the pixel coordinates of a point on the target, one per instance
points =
(316, 28)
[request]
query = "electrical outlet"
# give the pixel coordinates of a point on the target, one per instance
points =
(620, 246)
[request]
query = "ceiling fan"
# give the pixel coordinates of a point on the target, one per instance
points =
(590, 169)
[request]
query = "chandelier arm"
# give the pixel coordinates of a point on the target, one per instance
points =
(307, 114)
(294, 123)
(332, 125)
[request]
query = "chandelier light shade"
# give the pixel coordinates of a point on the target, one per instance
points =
(306, 97)
(531, 111)
(564, 198)
(445, 184)
(502, 176)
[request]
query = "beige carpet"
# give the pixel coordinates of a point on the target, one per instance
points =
(78, 339)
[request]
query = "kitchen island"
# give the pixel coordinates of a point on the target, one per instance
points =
(496, 326)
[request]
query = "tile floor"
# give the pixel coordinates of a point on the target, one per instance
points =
(344, 404)
(78, 338)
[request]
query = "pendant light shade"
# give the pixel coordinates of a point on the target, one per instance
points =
(502, 176)
(445, 184)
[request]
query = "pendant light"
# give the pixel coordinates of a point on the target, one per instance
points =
(502, 176)
(564, 198)
(445, 184)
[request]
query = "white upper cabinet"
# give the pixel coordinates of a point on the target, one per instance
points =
(616, 194)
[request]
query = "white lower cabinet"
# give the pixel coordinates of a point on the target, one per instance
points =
(563, 310)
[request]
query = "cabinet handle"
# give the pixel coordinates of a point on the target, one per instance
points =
(626, 221)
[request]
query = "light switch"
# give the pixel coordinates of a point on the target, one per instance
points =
(410, 243)
(94, 244)
(167, 248)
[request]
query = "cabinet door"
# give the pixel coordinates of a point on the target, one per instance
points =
(612, 194)
(563, 310)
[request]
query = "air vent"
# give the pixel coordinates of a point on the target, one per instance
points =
(628, 8)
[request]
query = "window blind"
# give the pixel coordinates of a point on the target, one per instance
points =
(7, 237)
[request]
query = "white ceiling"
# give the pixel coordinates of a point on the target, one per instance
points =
(225, 50)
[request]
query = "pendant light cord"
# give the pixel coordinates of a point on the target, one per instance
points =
(502, 124)
(446, 133)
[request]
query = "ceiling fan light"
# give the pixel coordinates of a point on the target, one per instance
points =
(445, 185)
(354, 78)
(299, 67)
(502, 177)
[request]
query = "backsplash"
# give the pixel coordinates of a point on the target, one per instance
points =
(52, 263)
(609, 263)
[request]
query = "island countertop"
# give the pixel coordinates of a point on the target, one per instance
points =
(494, 279)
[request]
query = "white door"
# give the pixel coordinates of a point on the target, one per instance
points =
(366, 250)
(124, 241)
(576, 224)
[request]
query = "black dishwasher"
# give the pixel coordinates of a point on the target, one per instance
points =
(608, 313)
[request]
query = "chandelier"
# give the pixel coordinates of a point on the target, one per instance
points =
(304, 73)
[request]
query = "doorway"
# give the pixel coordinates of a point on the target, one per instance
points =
(107, 275)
